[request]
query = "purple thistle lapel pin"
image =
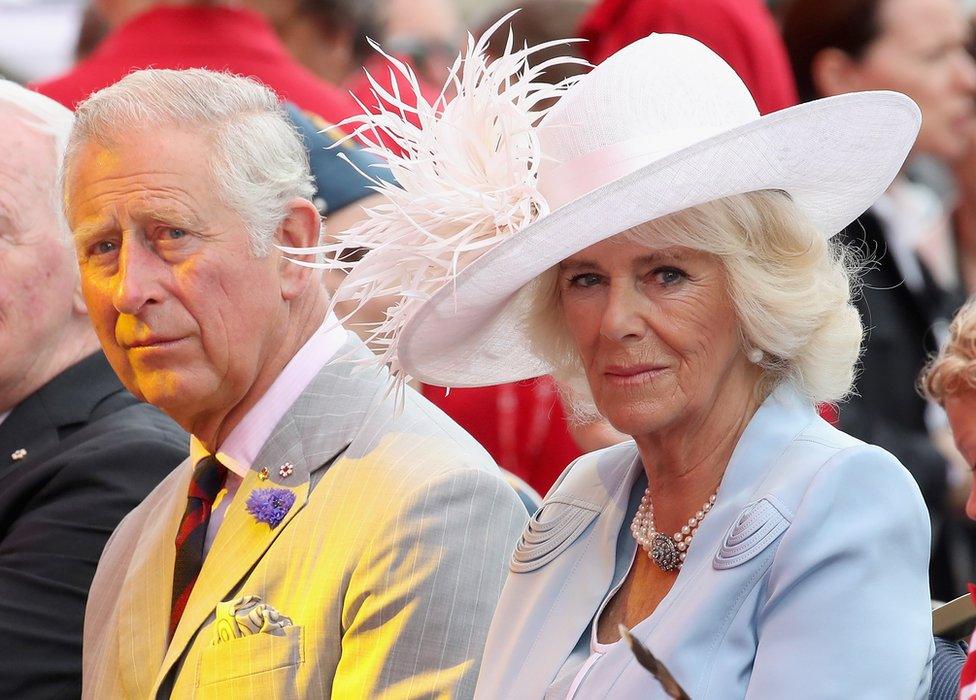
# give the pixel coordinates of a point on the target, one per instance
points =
(270, 505)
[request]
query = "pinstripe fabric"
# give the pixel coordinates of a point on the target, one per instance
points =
(208, 477)
(946, 669)
(389, 564)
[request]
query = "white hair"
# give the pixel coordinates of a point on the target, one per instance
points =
(790, 287)
(52, 122)
(259, 162)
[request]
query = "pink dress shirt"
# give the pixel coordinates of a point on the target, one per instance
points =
(241, 447)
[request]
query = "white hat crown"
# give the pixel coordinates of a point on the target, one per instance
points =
(495, 192)
(650, 99)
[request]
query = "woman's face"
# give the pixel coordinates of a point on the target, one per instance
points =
(961, 409)
(656, 332)
(921, 51)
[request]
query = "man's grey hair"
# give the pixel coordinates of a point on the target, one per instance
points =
(258, 163)
(52, 122)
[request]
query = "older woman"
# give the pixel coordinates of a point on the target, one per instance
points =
(672, 262)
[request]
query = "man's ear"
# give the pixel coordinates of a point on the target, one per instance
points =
(301, 228)
(834, 73)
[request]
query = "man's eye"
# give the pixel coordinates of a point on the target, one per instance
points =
(103, 248)
(175, 233)
(352, 255)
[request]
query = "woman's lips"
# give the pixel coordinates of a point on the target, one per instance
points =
(632, 374)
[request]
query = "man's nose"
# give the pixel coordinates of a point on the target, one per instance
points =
(135, 285)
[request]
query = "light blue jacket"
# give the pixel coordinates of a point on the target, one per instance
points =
(808, 579)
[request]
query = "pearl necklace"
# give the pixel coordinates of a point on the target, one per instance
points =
(667, 552)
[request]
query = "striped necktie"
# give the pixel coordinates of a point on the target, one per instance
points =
(208, 479)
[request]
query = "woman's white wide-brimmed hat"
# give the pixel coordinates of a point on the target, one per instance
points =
(662, 125)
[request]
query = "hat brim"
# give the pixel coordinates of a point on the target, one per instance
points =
(834, 157)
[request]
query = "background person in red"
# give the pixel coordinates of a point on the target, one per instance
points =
(189, 34)
(740, 31)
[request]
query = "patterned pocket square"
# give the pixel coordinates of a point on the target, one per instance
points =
(245, 616)
(550, 531)
(759, 525)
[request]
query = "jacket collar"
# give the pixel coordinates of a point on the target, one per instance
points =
(577, 582)
(325, 419)
(68, 399)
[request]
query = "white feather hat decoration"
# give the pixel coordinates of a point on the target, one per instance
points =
(467, 179)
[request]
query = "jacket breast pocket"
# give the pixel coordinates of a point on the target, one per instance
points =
(757, 527)
(550, 531)
(254, 666)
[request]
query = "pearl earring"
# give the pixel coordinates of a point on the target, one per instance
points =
(755, 356)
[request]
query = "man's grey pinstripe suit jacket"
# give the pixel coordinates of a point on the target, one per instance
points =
(389, 564)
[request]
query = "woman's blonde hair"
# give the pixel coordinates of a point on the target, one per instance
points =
(953, 370)
(790, 287)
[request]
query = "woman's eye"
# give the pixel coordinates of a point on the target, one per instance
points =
(667, 276)
(584, 280)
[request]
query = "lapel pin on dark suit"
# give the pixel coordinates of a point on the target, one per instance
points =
(18, 454)
(651, 663)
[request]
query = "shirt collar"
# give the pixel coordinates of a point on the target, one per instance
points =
(241, 447)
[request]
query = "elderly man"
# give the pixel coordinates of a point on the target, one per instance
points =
(77, 451)
(322, 539)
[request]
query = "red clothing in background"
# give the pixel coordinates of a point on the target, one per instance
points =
(219, 38)
(967, 680)
(393, 82)
(383, 72)
(740, 31)
(522, 425)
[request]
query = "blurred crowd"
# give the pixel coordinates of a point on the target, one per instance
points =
(916, 247)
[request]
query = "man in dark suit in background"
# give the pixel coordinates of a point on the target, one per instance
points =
(77, 452)
(909, 288)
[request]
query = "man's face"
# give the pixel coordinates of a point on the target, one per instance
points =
(428, 31)
(186, 313)
(961, 410)
(922, 52)
(37, 273)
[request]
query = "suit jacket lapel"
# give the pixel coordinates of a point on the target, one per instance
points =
(774, 426)
(28, 428)
(145, 599)
(577, 581)
(67, 399)
(240, 543)
(313, 432)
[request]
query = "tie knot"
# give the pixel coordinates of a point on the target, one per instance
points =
(208, 479)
